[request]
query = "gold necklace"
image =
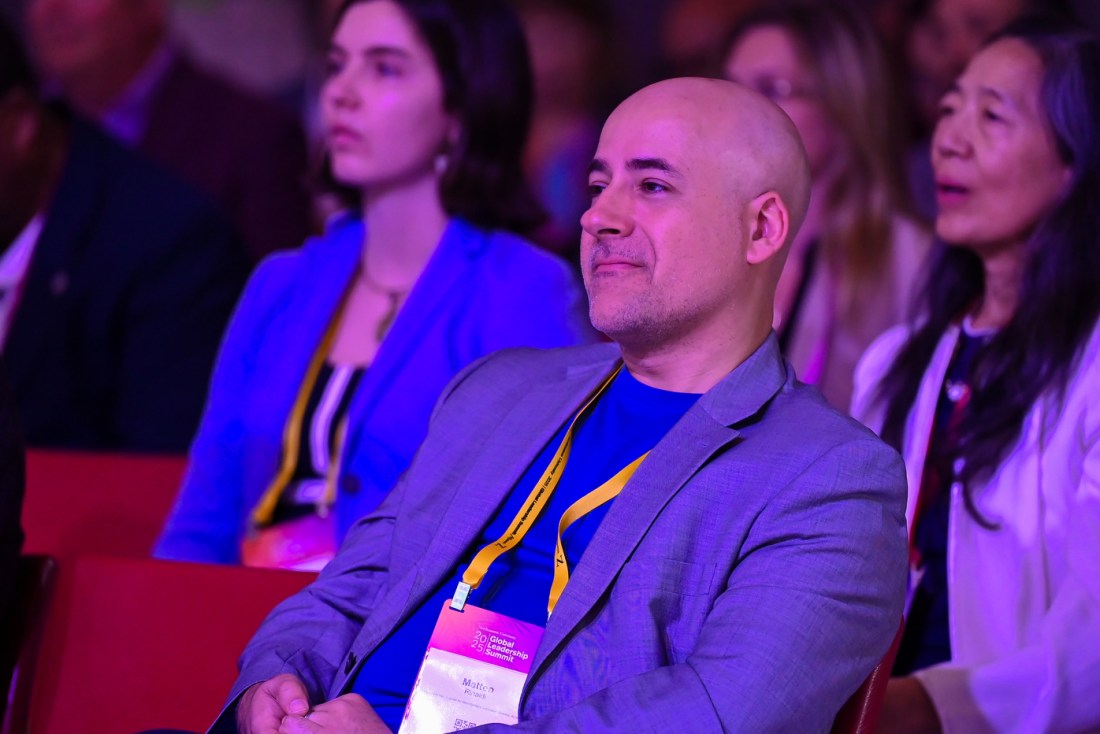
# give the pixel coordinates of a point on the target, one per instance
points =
(394, 296)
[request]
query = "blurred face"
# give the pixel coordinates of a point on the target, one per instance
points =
(662, 250)
(563, 53)
(942, 42)
(382, 104)
(12, 146)
(72, 37)
(23, 168)
(997, 167)
(768, 60)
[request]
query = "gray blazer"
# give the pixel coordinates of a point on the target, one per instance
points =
(747, 579)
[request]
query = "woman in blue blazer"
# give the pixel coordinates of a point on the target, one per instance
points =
(337, 352)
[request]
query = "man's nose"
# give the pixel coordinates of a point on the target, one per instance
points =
(609, 215)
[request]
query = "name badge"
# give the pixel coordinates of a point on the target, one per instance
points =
(473, 672)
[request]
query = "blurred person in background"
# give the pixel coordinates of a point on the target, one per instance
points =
(116, 280)
(992, 398)
(942, 36)
(112, 61)
(693, 32)
(337, 353)
(849, 274)
(566, 39)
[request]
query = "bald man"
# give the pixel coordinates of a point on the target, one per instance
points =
(662, 533)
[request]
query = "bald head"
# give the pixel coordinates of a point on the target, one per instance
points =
(698, 186)
(754, 143)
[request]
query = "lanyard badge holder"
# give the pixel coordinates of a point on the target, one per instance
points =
(478, 661)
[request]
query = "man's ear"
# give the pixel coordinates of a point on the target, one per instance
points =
(770, 223)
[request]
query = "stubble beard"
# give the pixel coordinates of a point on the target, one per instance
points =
(640, 322)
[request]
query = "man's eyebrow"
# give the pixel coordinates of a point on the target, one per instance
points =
(598, 165)
(651, 164)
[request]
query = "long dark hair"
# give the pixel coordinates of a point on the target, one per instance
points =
(481, 55)
(1059, 301)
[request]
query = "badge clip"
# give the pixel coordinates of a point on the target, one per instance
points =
(462, 592)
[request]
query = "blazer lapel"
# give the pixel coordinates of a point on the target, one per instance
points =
(307, 313)
(48, 280)
(490, 475)
(705, 429)
(447, 268)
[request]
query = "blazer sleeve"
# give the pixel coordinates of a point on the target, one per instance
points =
(809, 610)
(1051, 685)
(207, 521)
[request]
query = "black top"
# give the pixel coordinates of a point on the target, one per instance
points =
(927, 639)
(326, 409)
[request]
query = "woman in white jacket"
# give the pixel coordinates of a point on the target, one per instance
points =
(994, 400)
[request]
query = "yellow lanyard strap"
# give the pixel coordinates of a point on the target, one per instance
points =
(606, 492)
(292, 434)
(536, 501)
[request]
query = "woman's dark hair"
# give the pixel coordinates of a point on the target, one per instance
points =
(481, 55)
(1059, 301)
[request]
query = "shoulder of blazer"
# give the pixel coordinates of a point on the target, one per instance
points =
(510, 256)
(521, 367)
(332, 252)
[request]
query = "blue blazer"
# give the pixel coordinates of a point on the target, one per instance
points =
(747, 579)
(481, 291)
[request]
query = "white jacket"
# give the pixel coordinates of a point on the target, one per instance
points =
(1024, 598)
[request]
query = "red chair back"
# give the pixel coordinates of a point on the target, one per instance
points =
(144, 644)
(104, 504)
(861, 712)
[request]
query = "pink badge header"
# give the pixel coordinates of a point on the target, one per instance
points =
(487, 636)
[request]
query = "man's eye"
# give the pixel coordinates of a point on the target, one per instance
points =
(992, 116)
(595, 189)
(653, 187)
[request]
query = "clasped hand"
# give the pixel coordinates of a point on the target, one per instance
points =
(281, 706)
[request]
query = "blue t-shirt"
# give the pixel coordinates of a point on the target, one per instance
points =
(627, 420)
